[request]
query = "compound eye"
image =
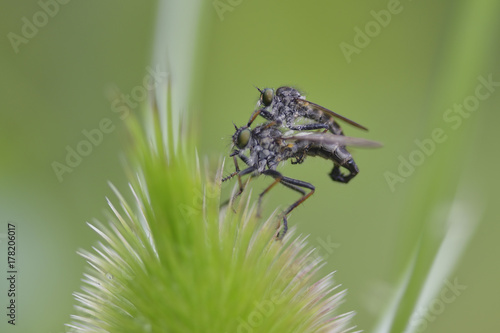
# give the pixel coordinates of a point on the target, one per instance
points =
(243, 138)
(267, 96)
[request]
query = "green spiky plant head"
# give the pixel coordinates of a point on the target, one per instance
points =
(173, 261)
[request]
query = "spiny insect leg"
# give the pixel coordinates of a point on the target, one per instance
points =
(285, 228)
(230, 176)
(238, 173)
(296, 185)
(308, 127)
(242, 185)
(277, 179)
(237, 170)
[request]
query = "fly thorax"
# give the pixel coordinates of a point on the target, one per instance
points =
(262, 165)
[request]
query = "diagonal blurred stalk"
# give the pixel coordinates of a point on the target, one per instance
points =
(437, 195)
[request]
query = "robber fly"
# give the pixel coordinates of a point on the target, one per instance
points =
(263, 148)
(287, 105)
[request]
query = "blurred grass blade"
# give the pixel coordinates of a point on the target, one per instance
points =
(174, 50)
(432, 210)
(465, 214)
(463, 217)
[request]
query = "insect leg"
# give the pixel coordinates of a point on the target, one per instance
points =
(335, 128)
(242, 185)
(277, 179)
(293, 187)
(238, 173)
(308, 127)
(237, 170)
(266, 114)
(299, 158)
(296, 185)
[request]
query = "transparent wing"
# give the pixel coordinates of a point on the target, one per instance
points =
(305, 103)
(329, 139)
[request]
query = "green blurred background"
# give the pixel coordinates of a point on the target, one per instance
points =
(399, 85)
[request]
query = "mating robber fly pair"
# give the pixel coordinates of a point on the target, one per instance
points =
(282, 137)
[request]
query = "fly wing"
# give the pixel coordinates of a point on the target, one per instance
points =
(305, 103)
(329, 139)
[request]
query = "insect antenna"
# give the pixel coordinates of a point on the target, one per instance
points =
(258, 89)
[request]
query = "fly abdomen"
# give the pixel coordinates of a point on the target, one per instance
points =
(340, 158)
(341, 155)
